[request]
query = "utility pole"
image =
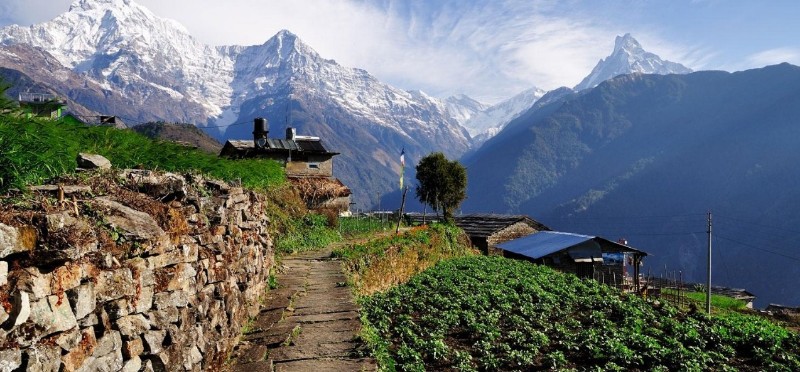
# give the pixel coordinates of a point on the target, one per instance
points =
(708, 278)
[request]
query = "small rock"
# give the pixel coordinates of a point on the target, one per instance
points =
(82, 299)
(117, 308)
(3, 272)
(160, 319)
(53, 315)
(92, 161)
(70, 339)
(76, 356)
(114, 284)
(133, 325)
(66, 277)
(16, 239)
(137, 225)
(154, 341)
(107, 344)
(10, 359)
(35, 282)
(132, 348)
(42, 358)
(20, 309)
(132, 365)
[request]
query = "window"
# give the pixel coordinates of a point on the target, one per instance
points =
(313, 165)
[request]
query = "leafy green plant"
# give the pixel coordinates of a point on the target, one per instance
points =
(492, 313)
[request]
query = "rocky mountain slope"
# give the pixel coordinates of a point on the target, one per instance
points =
(665, 147)
(135, 65)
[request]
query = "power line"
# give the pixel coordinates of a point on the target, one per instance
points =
(758, 248)
(750, 224)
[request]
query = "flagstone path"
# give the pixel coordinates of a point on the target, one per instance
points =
(310, 322)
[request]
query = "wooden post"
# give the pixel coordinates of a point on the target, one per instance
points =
(402, 207)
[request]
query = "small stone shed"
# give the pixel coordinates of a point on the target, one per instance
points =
(485, 231)
(584, 255)
(308, 164)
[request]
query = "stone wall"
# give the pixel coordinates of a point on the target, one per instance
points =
(129, 270)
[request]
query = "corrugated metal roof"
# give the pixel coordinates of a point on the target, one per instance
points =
(280, 144)
(484, 225)
(543, 243)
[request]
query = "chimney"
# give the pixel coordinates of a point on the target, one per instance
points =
(291, 133)
(260, 132)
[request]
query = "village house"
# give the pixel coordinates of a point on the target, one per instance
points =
(486, 231)
(42, 105)
(308, 164)
(586, 256)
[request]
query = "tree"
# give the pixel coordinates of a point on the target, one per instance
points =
(442, 183)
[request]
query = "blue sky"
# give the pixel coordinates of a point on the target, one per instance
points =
(488, 49)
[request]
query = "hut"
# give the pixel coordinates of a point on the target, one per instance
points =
(584, 255)
(485, 231)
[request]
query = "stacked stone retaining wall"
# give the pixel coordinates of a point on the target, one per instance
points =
(129, 270)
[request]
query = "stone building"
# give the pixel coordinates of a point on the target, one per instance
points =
(485, 231)
(308, 164)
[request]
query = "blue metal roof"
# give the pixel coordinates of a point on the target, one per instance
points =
(543, 243)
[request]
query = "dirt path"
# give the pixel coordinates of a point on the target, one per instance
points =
(309, 324)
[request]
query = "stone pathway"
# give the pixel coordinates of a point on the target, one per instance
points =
(310, 322)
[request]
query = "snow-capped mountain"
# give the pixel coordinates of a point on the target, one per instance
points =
(629, 57)
(462, 107)
(158, 71)
(485, 124)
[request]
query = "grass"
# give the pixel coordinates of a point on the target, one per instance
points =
(379, 264)
(310, 232)
(492, 313)
(35, 150)
(353, 227)
(718, 302)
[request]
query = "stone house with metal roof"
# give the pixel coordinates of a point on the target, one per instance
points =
(308, 164)
(486, 231)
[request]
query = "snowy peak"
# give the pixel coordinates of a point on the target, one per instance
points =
(629, 57)
(487, 123)
(84, 5)
(627, 43)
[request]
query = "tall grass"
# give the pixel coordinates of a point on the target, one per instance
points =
(34, 150)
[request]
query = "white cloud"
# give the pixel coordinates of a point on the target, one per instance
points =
(773, 57)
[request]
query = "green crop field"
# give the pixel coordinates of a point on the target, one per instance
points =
(491, 313)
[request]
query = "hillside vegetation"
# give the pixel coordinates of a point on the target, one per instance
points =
(34, 150)
(379, 264)
(491, 313)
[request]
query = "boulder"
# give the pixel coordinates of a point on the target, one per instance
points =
(92, 161)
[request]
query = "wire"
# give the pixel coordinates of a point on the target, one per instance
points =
(751, 224)
(758, 248)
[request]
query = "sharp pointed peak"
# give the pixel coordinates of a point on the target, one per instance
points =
(626, 42)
